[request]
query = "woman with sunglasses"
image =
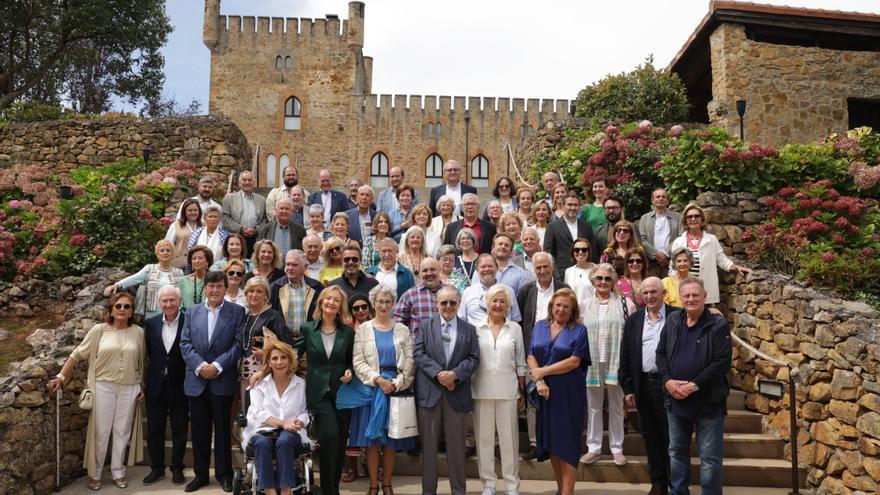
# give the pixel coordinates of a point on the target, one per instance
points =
(266, 261)
(594, 213)
(577, 276)
(383, 360)
(332, 255)
(525, 199)
(115, 353)
(192, 286)
(234, 248)
(542, 215)
(235, 271)
(505, 192)
(636, 270)
(621, 238)
(153, 277)
(327, 343)
(604, 315)
(706, 251)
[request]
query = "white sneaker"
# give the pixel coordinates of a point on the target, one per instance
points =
(488, 491)
(619, 459)
(589, 458)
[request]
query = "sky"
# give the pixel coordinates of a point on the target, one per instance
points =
(502, 48)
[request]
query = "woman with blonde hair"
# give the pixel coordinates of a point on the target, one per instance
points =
(153, 277)
(339, 227)
(422, 218)
(115, 352)
(542, 215)
(413, 249)
(332, 254)
(266, 261)
(560, 191)
(260, 316)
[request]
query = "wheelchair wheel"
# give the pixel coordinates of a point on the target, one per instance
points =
(237, 482)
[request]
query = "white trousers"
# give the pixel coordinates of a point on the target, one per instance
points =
(491, 416)
(595, 401)
(114, 413)
(531, 418)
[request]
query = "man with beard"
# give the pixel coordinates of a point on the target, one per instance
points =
(388, 198)
(474, 308)
(420, 302)
(290, 175)
(204, 197)
(509, 273)
(353, 279)
(614, 213)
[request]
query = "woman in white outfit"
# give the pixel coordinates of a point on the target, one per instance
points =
(499, 391)
(604, 315)
(577, 276)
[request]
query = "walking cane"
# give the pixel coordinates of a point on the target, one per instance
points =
(58, 439)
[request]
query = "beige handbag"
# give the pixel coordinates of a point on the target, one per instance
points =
(87, 396)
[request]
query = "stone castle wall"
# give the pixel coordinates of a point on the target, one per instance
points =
(213, 144)
(793, 93)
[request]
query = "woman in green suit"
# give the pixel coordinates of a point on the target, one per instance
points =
(328, 344)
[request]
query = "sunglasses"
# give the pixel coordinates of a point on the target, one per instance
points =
(693, 216)
(622, 231)
(233, 273)
(448, 303)
(337, 248)
(351, 259)
(122, 306)
(606, 278)
(634, 261)
(581, 250)
(503, 186)
(360, 307)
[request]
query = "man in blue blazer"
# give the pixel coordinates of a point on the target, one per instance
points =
(332, 200)
(211, 346)
(446, 353)
(163, 392)
(452, 187)
(364, 200)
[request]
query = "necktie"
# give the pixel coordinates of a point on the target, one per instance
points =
(446, 338)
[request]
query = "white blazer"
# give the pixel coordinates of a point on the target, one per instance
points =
(712, 257)
(366, 355)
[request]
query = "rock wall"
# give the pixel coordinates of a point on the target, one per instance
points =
(215, 144)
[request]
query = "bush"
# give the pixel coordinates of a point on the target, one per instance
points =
(644, 93)
(820, 236)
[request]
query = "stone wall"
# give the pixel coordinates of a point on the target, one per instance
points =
(216, 145)
(793, 93)
(27, 412)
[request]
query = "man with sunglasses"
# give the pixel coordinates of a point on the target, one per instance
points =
(562, 232)
(446, 353)
(353, 279)
(295, 295)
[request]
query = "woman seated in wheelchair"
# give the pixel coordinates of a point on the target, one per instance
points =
(277, 419)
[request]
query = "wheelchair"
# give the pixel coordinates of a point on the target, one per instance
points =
(244, 478)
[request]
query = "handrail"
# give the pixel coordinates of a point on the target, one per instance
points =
(516, 168)
(793, 370)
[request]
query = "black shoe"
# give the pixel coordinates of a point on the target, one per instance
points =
(227, 486)
(470, 452)
(530, 454)
(177, 476)
(195, 484)
(154, 476)
(414, 452)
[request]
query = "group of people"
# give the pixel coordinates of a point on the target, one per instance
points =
(539, 307)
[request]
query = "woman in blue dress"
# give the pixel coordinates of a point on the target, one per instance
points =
(382, 358)
(558, 360)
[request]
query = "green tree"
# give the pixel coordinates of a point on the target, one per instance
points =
(644, 93)
(81, 51)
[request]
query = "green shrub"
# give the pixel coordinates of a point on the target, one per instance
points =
(35, 111)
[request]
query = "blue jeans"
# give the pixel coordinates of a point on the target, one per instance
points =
(710, 447)
(284, 451)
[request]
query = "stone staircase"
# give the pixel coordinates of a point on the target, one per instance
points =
(751, 456)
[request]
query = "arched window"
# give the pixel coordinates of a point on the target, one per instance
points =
(433, 170)
(288, 62)
(379, 170)
(522, 131)
(430, 129)
(278, 62)
(480, 171)
(531, 131)
(292, 114)
(283, 162)
(439, 128)
(271, 170)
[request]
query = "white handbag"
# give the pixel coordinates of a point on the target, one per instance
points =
(402, 421)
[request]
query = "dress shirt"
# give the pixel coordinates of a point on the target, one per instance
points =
(478, 230)
(474, 308)
(213, 313)
(650, 339)
(501, 361)
(661, 231)
(452, 328)
(248, 210)
(266, 403)
(314, 268)
(387, 277)
(169, 332)
(326, 201)
(543, 300)
(511, 276)
(573, 228)
(366, 224)
(282, 237)
(455, 194)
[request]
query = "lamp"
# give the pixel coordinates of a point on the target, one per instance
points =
(147, 153)
(771, 388)
(741, 111)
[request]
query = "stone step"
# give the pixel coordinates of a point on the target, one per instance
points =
(736, 421)
(736, 445)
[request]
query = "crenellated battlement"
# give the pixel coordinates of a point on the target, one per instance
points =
(300, 26)
(544, 109)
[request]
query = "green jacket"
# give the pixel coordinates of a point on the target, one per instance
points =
(324, 373)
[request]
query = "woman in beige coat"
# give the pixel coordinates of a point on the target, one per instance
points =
(382, 358)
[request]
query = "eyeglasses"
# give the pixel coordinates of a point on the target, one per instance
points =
(693, 216)
(233, 273)
(360, 307)
(581, 250)
(448, 303)
(634, 261)
(351, 259)
(606, 278)
(122, 306)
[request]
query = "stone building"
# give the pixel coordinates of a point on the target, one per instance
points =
(300, 89)
(803, 73)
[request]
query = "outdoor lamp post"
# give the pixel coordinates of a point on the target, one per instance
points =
(741, 111)
(147, 153)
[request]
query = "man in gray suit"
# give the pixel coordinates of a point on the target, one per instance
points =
(244, 211)
(446, 353)
(657, 229)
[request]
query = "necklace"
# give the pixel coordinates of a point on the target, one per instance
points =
(693, 242)
(198, 293)
(331, 332)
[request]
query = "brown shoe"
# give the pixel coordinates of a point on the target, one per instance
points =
(659, 490)
(94, 485)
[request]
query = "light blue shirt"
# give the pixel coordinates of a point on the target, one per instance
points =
(213, 313)
(388, 200)
(453, 334)
(512, 276)
(650, 339)
(474, 308)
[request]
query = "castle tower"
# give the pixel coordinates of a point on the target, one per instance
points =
(211, 32)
